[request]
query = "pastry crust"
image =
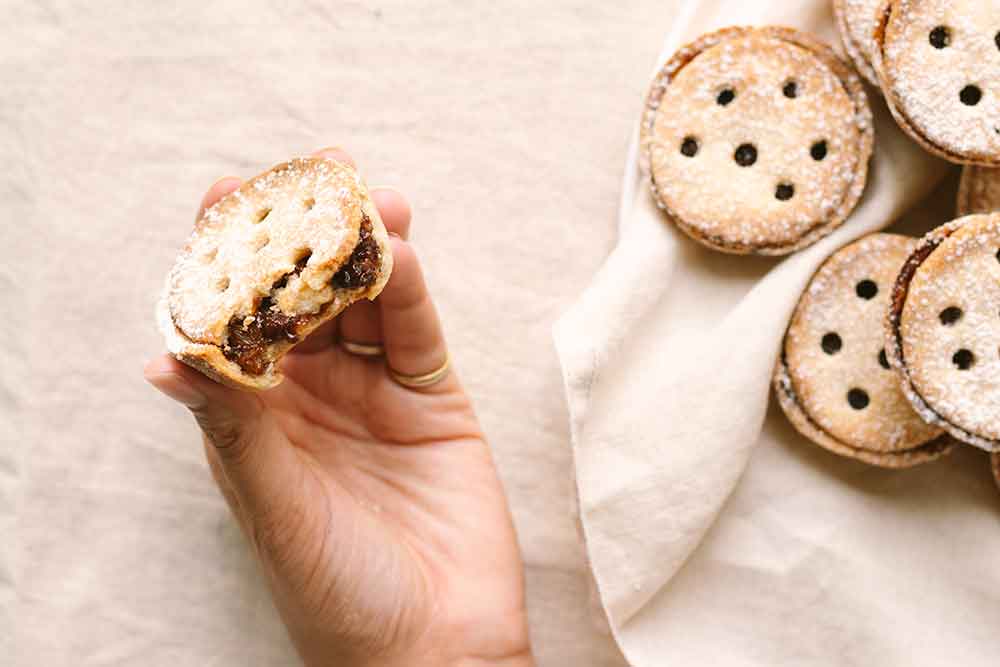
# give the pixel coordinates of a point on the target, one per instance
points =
(978, 191)
(856, 21)
(906, 458)
(946, 364)
(800, 178)
(281, 242)
(833, 351)
(995, 460)
(925, 85)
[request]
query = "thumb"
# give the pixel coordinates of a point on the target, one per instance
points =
(257, 460)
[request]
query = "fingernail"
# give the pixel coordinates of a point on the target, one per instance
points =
(222, 178)
(175, 387)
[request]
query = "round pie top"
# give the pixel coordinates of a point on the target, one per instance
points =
(949, 330)
(856, 20)
(296, 223)
(835, 356)
(939, 62)
(979, 191)
(757, 140)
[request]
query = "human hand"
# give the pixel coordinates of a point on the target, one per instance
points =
(374, 510)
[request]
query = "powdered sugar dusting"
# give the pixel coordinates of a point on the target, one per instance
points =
(303, 211)
(925, 82)
(952, 369)
(856, 20)
(823, 375)
(738, 207)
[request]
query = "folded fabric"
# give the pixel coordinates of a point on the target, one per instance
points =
(667, 359)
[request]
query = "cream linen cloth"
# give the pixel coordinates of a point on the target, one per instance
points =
(716, 535)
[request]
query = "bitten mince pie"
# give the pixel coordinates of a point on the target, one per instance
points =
(833, 379)
(943, 330)
(939, 66)
(757, 140)
(979, 191)
(856, 21)
(267, 264)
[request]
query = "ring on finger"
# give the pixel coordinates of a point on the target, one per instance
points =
(423, 379)
(362, 349)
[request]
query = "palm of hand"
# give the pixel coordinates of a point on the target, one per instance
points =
(375, 510)
(394, 512)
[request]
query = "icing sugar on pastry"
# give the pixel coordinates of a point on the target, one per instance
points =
(944, 329)
(757, 140)
(834, 379)
(939, 65)
(856, 21)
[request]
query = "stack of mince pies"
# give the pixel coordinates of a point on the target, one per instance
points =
(757, 140)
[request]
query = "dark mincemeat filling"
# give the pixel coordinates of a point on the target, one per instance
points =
(247, 343)
(361, 269)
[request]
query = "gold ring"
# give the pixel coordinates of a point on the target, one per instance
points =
(424, 379)
(363, 349)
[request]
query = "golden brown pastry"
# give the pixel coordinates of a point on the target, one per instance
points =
(943, 331)
(833, 379)
(757, 140)
(267, 264)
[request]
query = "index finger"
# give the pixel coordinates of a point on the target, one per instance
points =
(217, 191)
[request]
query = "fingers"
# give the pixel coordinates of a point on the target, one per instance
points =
(250, 450)
(411, 331)
(394, 210)
(336, 153)
(217, 191)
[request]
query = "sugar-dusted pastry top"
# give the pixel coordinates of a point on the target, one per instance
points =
(856, 20)
(757, 140)
(945, 328)
(270, 262)
(939, 64)
(834, 350)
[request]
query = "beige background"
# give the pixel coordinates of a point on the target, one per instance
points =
(505, 123)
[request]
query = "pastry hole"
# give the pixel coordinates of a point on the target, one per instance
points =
(784, 191)
(689, 147)
(309, 203)
(866, 289)
(996, 39)
(260, 242)
(790, 90)
(950, 315)
(998, 255)
(222, 284)
(725, 97)
(818, 151)
(745, 155)
(831, 343)
(302, 257)
(858, 398)
(940, 37)
(883, 360)
(963, 359)
(260, 215)
(971, 95)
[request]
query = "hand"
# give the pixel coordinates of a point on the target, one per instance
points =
(375, 511)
